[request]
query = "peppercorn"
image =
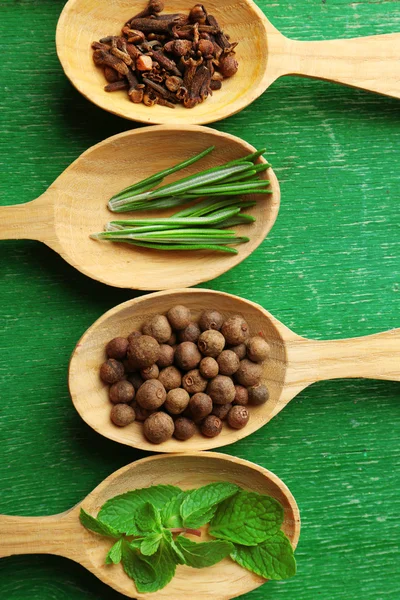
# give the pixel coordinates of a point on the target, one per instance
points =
(193, 382)
(211, 426)
(221, 389)
(150, 372)
(238, 417)
(170, 377)
(143, 351)
(200, 406)
(117, 348)
(221, 410)
(208, 367)
(158, 427)
(258, 394)
(159, 328)
(242, 395)
(257, 349)
(187, 356)
(210, 319)
(177, 400)
(122, 415)
(166, 356)
(151, 394)
(184, 429)
(211, 343)
(240, 350)
(112, 371)
(235, 330)
(248, 373)
(179, 317)
(121, 392)
(191, 333)
(228, 362)
(136, 380)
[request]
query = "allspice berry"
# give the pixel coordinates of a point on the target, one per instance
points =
(136, 380)
(177, 400)
(248, 373)
(210, 319)
(242, 395)
(258, 394)
(159, 328)
(235, 330)
(221, 389)
(228, 362)
(191, 333)
(172, 340)
(117, 348)
(122, 415)
(143, 351)
(170, 377)
(257, 349)
(121, 392)
(200, 406)
(187, 356)
(193, 382)
(158, 427)
(221, 410)
(211, 343)
(238, 417)
(179, 317)
(132, 336)
(140, 412)
(150, 372)
(151, 395)
(184, 429)
(211, 426)
(112, 371)
(208, 367)
(240, 350)
(166, 356)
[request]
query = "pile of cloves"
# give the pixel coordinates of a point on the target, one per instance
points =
(167, 59)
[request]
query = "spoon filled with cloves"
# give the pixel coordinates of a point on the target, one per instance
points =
(199, 64)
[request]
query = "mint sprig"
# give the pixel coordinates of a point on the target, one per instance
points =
(150, 527)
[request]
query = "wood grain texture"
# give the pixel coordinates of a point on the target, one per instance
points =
(329, 269)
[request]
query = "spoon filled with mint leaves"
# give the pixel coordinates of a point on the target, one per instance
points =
(178, 526)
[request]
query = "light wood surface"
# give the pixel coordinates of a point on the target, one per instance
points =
(75, 206)
(264, 55)
(65, 536)
(294, 364)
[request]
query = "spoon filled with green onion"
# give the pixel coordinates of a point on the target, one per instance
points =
(222, 203)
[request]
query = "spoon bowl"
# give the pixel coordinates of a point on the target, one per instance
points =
(75, 206)
(263, 53)
(65, 536)
(295, 363)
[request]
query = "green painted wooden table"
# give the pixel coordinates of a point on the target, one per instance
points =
(329, 269)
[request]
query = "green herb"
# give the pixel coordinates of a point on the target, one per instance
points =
(150, 525)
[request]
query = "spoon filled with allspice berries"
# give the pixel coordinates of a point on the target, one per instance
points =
(197, 369)
(199, 64)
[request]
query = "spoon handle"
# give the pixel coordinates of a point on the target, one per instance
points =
(370, 63)
(38, 535)
(30, 221)
(371, 357)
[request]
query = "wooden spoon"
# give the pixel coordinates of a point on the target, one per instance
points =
(264, 55)
(64, 535)
(294, 364)
(74, 206)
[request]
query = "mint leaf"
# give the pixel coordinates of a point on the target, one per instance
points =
(170, 514)
(273, 559)
(196, 507)
(248, 518)
(96, 525)
(180, 559)
(147, 518)
(118, 512)
(163, 563)
(204, 554)
(136, 568)
(150, 544)
(114, 555)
